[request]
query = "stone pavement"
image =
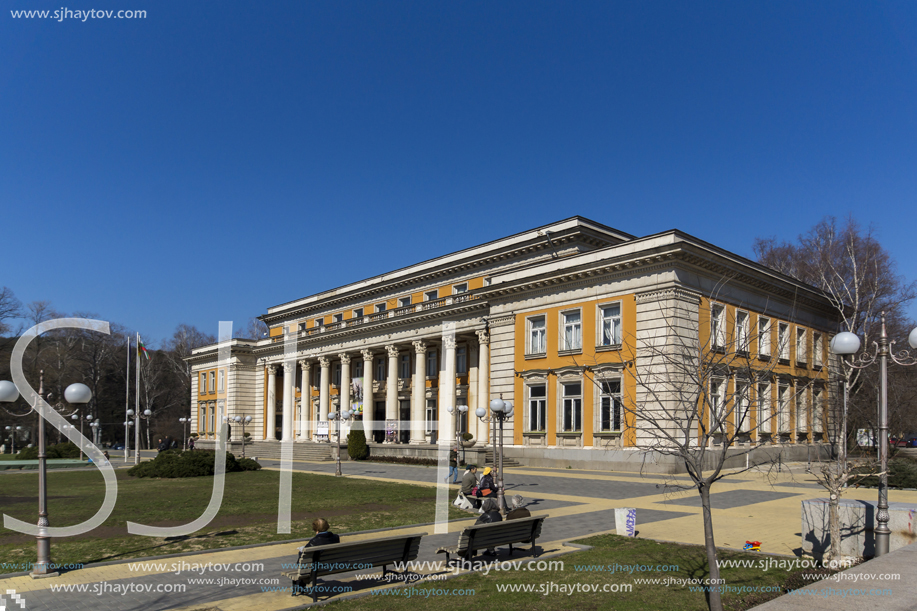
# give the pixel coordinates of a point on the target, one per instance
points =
(751, 506)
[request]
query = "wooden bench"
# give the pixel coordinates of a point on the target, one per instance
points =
(484, 536)
(345, 557)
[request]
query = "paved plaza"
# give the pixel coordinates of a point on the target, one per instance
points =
(750, 506)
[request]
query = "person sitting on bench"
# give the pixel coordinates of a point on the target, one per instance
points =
(323, 536)
(518, 510)
(491, 514)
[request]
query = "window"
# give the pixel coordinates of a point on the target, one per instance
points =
(801, 352)
(717, 416)
(783, 341)
(212, 411)
(358, 313)
(380, 368)
(537, 408)
(610, 407)
(742, 337)
(818, 417)
(431, 296)
(718, 326)
(432, 370)
(431, 416)
(461, 360)
(337, 317)
(203, 384)
(222, 383)
(302, 326)
(764, 336)
(318, 322)
(764, 407)
(405, 366)
(783, 408)
(458, 289)
(742, 417)
(817, 348)
(404, 302)
(573, 407)
(572, 329)
(537, 341)
(802, 416)
(358, 368)
(610, 325)
(380, 307)
(213, 381)
(336, 375)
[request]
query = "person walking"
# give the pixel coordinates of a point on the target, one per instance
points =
(191, 444)
(453, 465)
(162, 445)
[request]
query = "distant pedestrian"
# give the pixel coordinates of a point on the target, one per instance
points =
(162, 445)
(518, 510)
(191, 444)
(453, 465)
(174, 444)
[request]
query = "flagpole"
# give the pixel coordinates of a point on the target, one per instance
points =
(127, 402)
(137, 408)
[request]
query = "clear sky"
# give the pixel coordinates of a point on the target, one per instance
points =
(218, 158)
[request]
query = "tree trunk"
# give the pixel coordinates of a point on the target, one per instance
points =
(834, 517)
(714, 598)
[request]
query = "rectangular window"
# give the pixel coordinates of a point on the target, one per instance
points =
(537, 408)
(380, 307)
(717, 415)
(337, 317)
(764, 336)
(213, 381)
(318, 322)
(203, 384)
(802, 408)
(742, 337)
(358, 368)
(764, 408)
(742, 417)
(817, 348)
(358, 313)
(818, 414)
(572, 329)
(432, 370)
(405, 366)
(302, 326)
(461, 360)
(430, 416)
(783, 408)
(431, 296)
(211, 410)
(336, 375)
(573, 407)
(380, 368)
(800, 345)
(718, 326)
(458, 289)
(222, 382)
(404, 302)
(610, 402)
(783, 341)
(537, 340)
(610, 325)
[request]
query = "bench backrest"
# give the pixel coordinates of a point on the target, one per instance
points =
(343, 557)
(500, 533)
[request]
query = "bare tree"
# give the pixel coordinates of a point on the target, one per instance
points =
(705, 399)
(10, 310)
(253, 329)
(179, 347)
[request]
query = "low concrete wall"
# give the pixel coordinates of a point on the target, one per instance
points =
(858, 521)
(473, 455)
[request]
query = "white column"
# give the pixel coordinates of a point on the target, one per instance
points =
(368, 403)
(270, 431)
(305, 399)
(391, 388)
(345, 381)
(289, 379)
(324, 389)
(447, 394)
(483, 430)
(419, 394)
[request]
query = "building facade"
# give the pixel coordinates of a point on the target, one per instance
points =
(573, 323)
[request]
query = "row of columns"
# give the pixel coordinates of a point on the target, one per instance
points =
(446, 389)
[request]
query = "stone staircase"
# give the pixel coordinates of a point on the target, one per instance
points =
(507, 461)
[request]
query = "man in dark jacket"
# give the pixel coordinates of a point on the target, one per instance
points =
(469, 481)
(453, 465)
(518, 510)
(487, 483)
(162, 446)
(323, 536)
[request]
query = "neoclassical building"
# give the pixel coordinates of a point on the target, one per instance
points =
(561, 320)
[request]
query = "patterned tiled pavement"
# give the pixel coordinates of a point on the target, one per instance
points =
(577, 503)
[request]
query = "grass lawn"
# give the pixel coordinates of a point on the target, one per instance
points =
(7, 457)
(608, 550)
(248, 513)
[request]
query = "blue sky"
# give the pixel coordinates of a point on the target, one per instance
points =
(215, 159)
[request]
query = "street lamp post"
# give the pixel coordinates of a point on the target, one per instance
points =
(457, 412)
(500, 412)
(77, 416)
(76, 394)
(338, 417)
(13, 430)
(184, 436)
(846, 343)
(243, 422)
